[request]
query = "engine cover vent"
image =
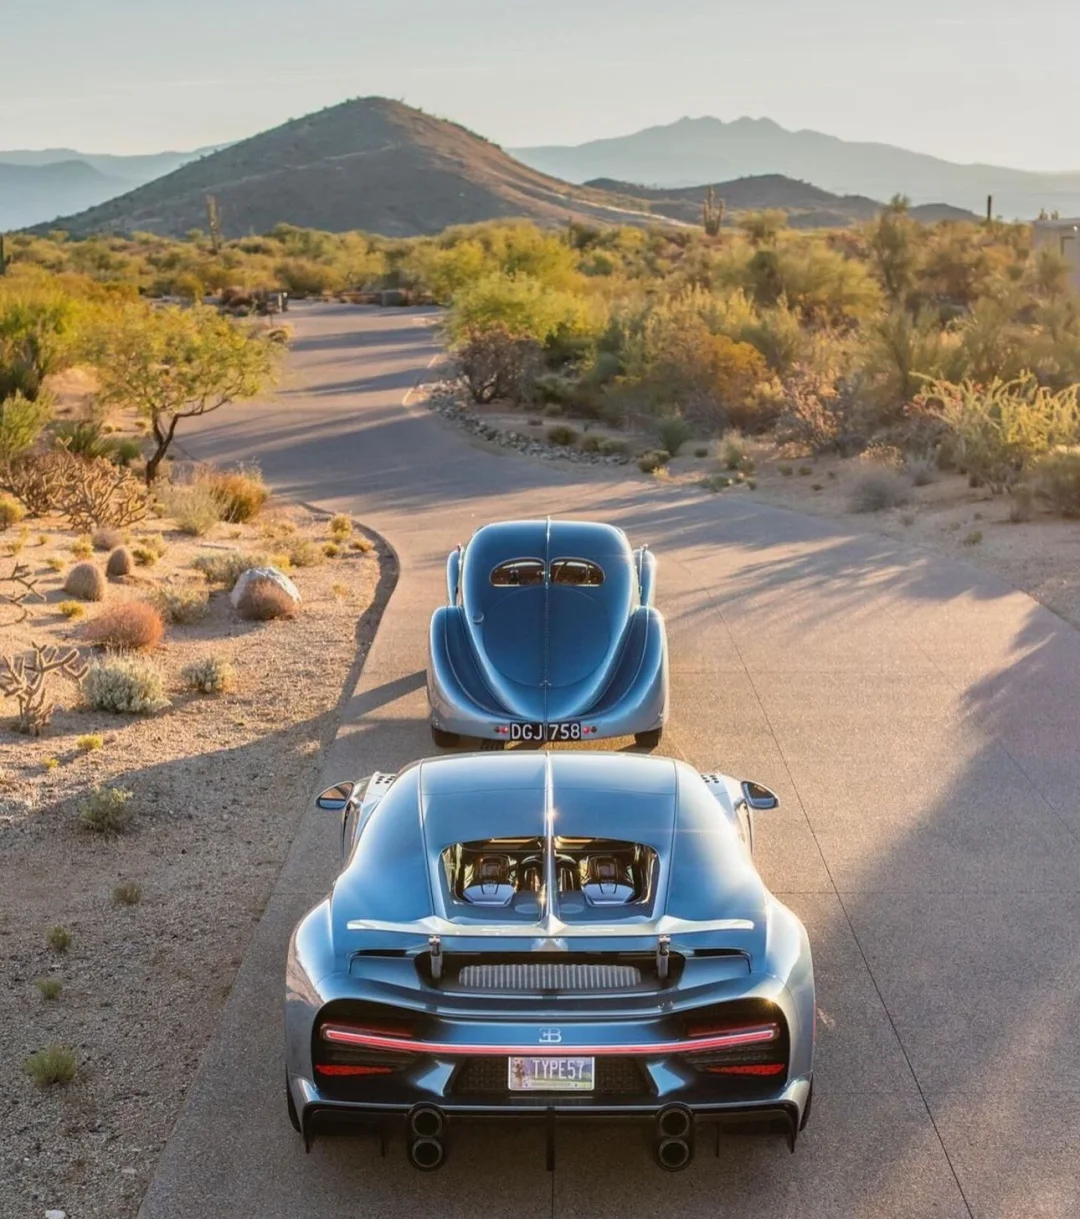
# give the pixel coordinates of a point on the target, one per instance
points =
(549, 976)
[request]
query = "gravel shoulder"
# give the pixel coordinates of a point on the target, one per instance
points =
(219, 783)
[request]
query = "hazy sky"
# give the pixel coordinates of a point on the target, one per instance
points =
(970, 80)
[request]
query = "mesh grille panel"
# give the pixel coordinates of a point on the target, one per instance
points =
(549, 976)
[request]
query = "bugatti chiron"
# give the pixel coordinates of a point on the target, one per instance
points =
(549, 634)
(551, 935)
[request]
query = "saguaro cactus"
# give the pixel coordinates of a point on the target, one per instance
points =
(712, 213)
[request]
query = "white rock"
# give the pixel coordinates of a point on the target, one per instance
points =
(264, 573)
(56, 1215)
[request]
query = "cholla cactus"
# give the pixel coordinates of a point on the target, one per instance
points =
(23, 679)
(23, 585)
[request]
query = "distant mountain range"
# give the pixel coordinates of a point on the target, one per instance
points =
(36, 185)
(695, 150)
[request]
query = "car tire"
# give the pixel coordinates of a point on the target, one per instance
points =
(444, 740)
(809, 1103)
(294, 1117)
(650, 739)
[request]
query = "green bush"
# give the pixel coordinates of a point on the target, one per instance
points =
(21, 422)
(673, 432)
(125, 686)
(210, 675)
(53, 1065)
(182, 606)
(1057, 479)
(562, 435)
(224, 567)
(194, 506)
(652, 460)
(11, 511)
(107, 811)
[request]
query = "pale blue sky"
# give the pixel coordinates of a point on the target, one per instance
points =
(970, 80)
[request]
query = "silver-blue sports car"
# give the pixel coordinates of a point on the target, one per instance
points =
(549, 935)
(549, 634)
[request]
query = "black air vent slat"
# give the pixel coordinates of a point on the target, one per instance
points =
(561, 975)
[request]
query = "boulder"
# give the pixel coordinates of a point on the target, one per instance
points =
(264, 573)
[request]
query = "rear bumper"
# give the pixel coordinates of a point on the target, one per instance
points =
(779, 1113)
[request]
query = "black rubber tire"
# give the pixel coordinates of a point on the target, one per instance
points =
(650, 739)
(444, 740)
(294, 1117)
(809, 1103)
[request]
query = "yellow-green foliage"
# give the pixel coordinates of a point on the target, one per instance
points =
(210, 675)
(53, 1065)
(11, 511)
(72, 609)
(107, 811)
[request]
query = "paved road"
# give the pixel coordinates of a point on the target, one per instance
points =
(919, 721)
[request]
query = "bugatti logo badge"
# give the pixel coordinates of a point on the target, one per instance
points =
(550, 1036)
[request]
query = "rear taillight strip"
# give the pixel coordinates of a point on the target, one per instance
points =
(759, 1035)
(340, 1069)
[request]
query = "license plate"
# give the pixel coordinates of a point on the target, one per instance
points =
(568, 730)
(551, 1074)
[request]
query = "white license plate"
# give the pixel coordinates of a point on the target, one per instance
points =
(552, 1074)
(568, 730)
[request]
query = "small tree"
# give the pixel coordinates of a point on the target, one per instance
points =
(174, 363)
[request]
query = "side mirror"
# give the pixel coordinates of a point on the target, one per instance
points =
(759, 797)
(335, 799)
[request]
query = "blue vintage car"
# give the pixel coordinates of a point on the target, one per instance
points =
(550, 634)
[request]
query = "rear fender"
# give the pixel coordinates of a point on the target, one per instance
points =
(645, 562)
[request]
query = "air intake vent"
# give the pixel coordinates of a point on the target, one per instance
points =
(549, 976)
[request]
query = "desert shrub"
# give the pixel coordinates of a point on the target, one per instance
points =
(124, 452)
(732, 450)
(87, 582)
(211, 675)
(106, 810)
(71, 609)
(303, 552)
(973, 538)
(341, 526)
(652, 460)
(496, 363)
(58, 939)
(88, 492)
(878, 488)
(194, 506)
(21, 423)
(591, 443)
(1021, 503)
(121, 562)
(82, 548)
(49, 988)
(127, 894)
(613, 448)
(264, 600)
(11, 511)
(225, 567)
(127, 626)
(331, 550)
(53, 1065)
(240, 493)
(82, 437)
(899, 354)
(815, 414)
(107, 539)
(182, 606)
(144, 556)
(562, 434)
(1057, 480)
(673, 432)
(921, 470)
(994, 431)
(124, 685)
(90, 742)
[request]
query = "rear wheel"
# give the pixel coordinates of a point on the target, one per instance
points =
(444, 740)
(650, 739)
(294, 1117)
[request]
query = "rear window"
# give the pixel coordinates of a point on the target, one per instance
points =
(518, 572)
(576, 571)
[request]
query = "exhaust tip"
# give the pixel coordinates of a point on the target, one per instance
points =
(674, 1122)
(673, 1155)
(426, 1154)
(426, 1122)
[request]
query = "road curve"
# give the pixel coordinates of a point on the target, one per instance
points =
(918, 720)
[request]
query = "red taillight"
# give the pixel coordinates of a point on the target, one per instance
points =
(757, 1034)
(339, 1069)
(355, 1034)
(764, 1068)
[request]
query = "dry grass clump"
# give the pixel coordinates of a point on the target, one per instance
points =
(121, 563)
(127, 894)
(53, 1065)
(55, 563)
(58, 939)
(304, 553)
(193, 506)
(107, 810)
(1057, 480)
(72, 609)
(240, 493)
(340, 526)
(127, 626)
(182, 606)
(49, 987)
(264, 600)
(210, 675)
(11, 511)
(364, 545)
(652, 460)
(107, 539)
(877, 489)
(86, 582)
(82, 547)
(90, 742)
(125, 685)
(224, 567)
(331, 550)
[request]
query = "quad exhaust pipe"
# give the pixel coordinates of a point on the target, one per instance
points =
(425, 1146)
(674, 1138)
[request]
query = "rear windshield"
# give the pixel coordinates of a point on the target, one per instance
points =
(576, 571)
(518, 572)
